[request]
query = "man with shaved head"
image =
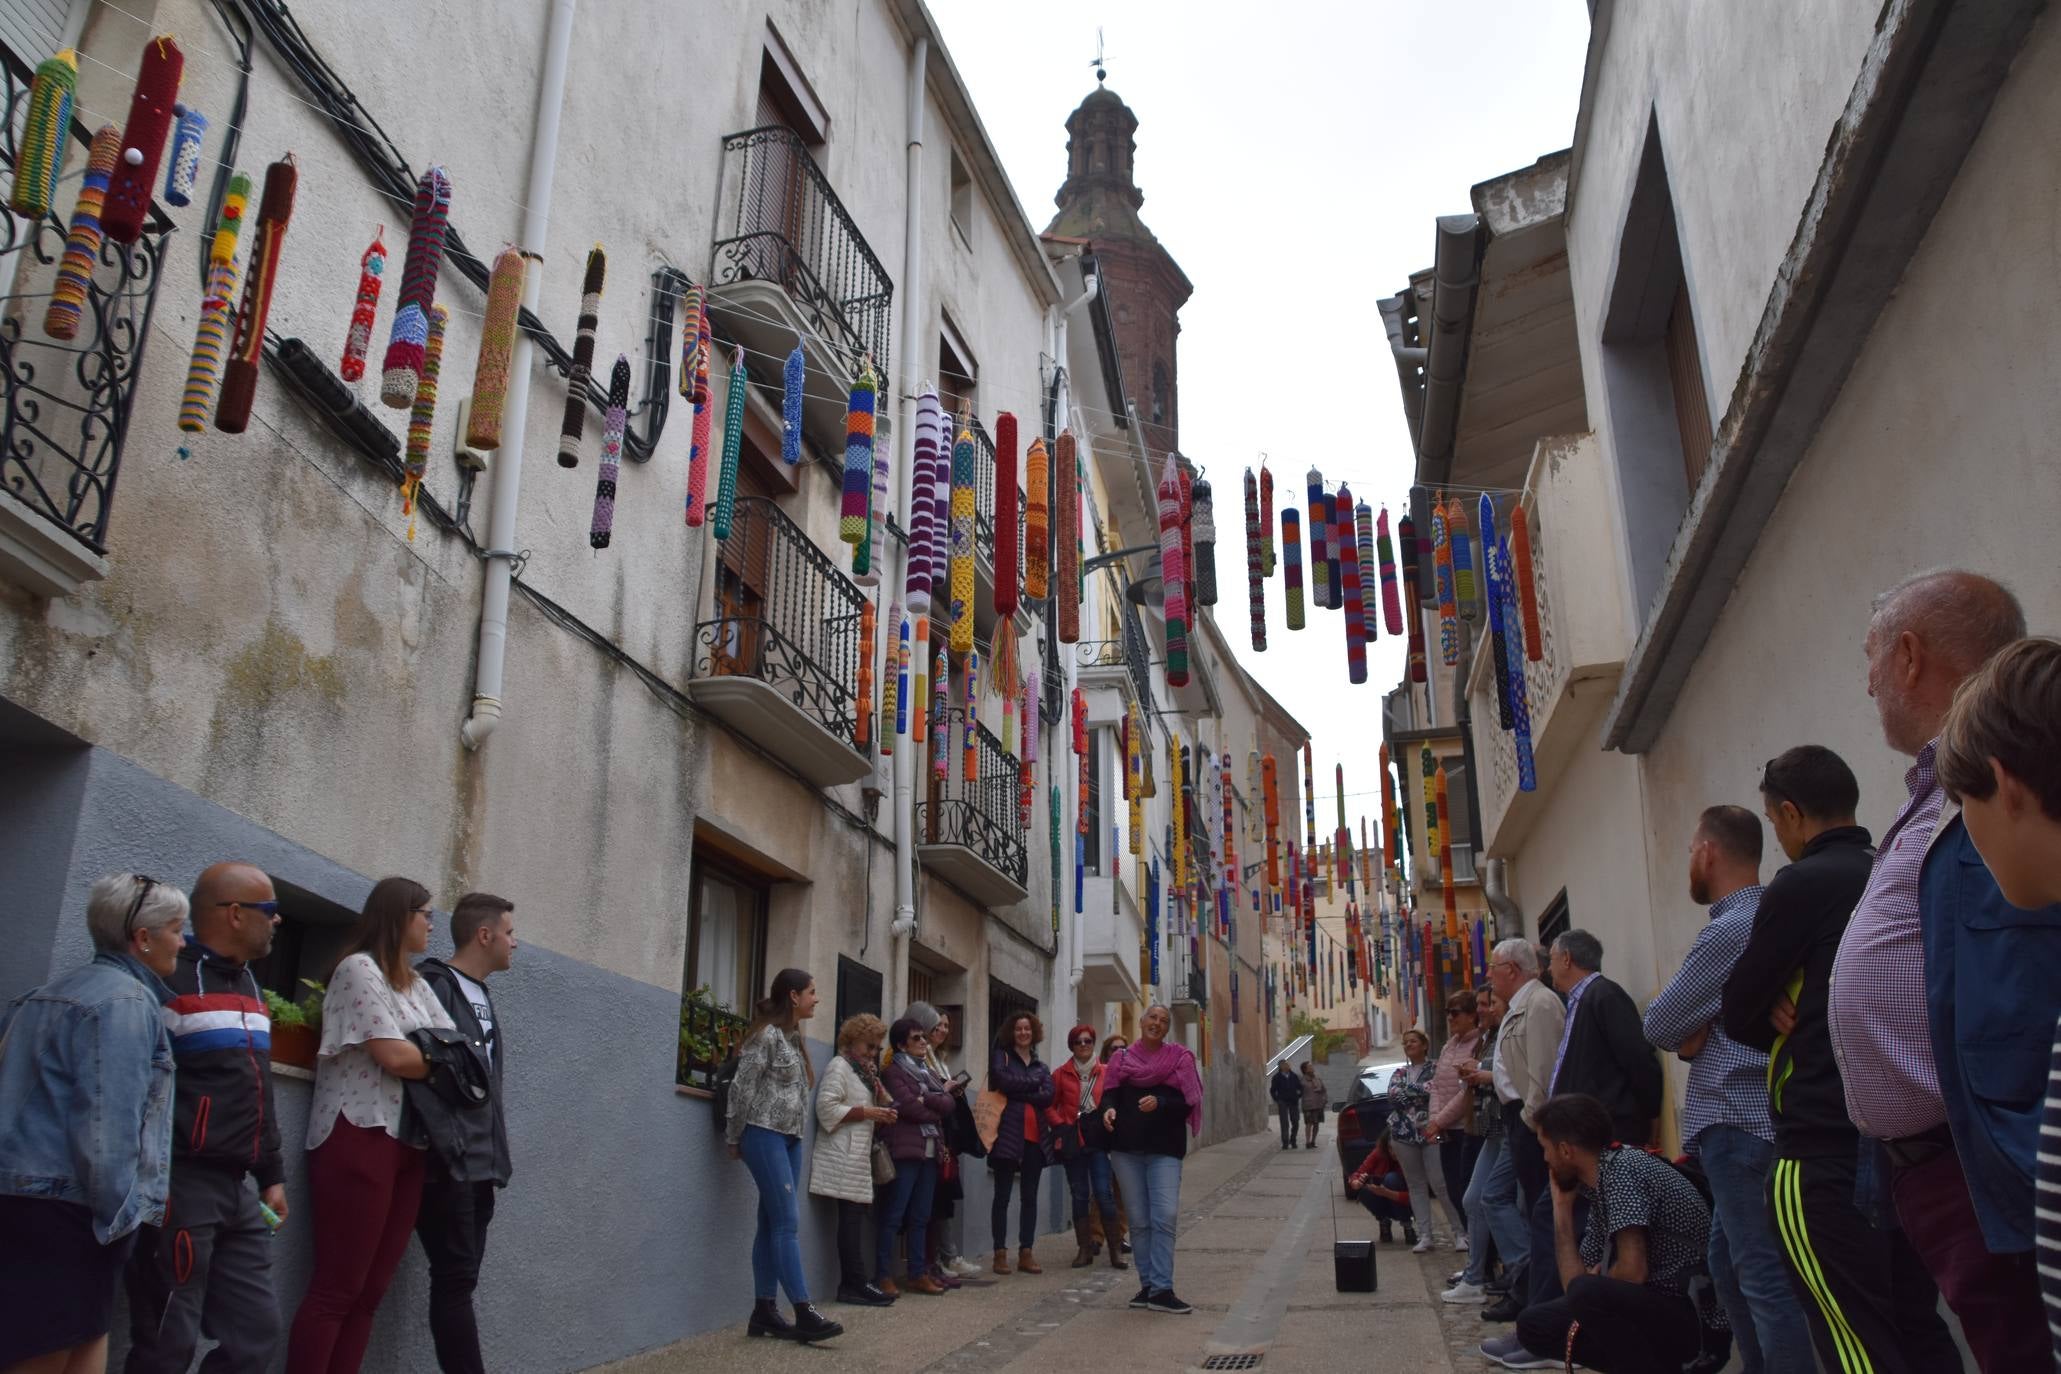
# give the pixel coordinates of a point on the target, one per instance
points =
(210, 1269)
(1942, 991)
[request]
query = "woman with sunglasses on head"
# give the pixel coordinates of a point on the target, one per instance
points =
(85, 1128)
(365, 1182)
(1153, 1090)
(1075, 1119)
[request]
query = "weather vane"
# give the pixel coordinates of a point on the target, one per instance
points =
(1101, 72)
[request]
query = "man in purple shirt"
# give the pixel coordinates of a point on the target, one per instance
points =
(1927, 635)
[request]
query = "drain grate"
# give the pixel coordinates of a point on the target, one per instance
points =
(1244, 1361)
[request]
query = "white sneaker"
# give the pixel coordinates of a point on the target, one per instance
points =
(1423, 1245)
(1460, 1242)
(1455, 1277)
(1462, 1291)
(960, 1266)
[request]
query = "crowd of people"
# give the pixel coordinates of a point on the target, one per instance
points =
(1872, 1056)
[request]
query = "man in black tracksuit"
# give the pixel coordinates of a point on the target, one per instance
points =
(1286, 1090)
(208, 1270)
(1869, 1300)
(452, 1224)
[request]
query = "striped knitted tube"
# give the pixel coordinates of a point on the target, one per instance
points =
(1291, 565)
(1270, 775)
(1527, 590)
(40, 156)
(1008, 532)
(358, 338)
(1499, 640)
(858, 456)
(422, 415)
(1204, 525)
(1266, 485)
(1187, 538)
(240, 377)
(900, 723)
(1413, 606)
(82, 244)
(1391, 602)
(929, 426)
(793, 378)
(1255, 564)
(698, 444)
(1037, 523)
(1173, 575)
(962, 540)
(1069, 536)
(402, 367)
(1466, 590)
(612, 426)
(941, 722)
(1354, 603)
(1442, 566)
(211, 334)
(877, 506)
(693, 340)
(733, 447)
(1319, 532)
(862, 714)
(496, 350)
(1520, 708)
(1334, 591)
(572, 430)
(184, 168)
(969, 738)
(1363, 528)
(143, 142)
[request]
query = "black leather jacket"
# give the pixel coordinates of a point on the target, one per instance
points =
(470, 1139)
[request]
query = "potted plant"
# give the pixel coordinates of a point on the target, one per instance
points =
(297, 1026)
(697, 1035)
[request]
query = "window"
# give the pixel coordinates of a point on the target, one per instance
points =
(957, 373)
(1091, 805)
(962, 200)
(311, 939)
(726, 935)
(743, 574)
(1460, 815)
(1555, 921)
(859, 990)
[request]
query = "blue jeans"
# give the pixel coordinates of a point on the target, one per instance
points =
(1492, 1205)
(1746, 1263)
(1152, 1197)
(905, 1205)
(1087, 1176)
(775, 1164)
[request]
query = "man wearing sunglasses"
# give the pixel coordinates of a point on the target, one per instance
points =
(209, 1271)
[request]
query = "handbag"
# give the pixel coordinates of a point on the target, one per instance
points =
(883, 1164)
(987, 1117)
(963, 1134)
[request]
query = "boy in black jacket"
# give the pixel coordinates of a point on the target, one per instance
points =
(452, 1224)
(1868, 1298)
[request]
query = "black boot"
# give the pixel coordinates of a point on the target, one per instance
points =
(767, 1321)
(1387, 1231)
(1409, 1234)
(811, 1325)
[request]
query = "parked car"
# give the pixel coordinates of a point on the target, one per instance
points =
(1363, 1115)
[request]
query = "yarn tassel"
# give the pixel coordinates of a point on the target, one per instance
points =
(874, 550)
(697, 446)
(793, 377)
(733, 447)
(184, 168)
(240, 378)
(862, 716)
(1007, 522)
(858, 450)
(422, 415)
(143, 142)
(1499, 642)
(1363, 529)
(1173, 575)
(1204, 523)
(962, 539)
(1413, 605)
(1466, 592)
(40, 156)
(402, 367)
(211, 334)
(1442, 562)
(1069, 535)
(572, 430)
(1391, 603)
(1334, 592)
(1037, 523)
(1354, 601)
(1520, 708)
(1266, 485)
(496, 350)
(1527, 588)
(82, 243)
(612, 426)
(1319, 532)
(358, 338)
(1255, 564)
(1291, 565)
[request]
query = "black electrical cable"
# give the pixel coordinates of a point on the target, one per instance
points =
(232, 137)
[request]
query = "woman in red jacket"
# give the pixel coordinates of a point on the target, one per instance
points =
(1378, 1184)
(1080, 1142)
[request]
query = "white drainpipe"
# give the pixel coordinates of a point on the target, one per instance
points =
(909, 343)
(500, 551)
(1057, 332)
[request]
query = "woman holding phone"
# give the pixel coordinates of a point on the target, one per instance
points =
(916, 1140)
(1153, 1090)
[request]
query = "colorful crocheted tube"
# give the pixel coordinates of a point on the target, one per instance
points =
(1319, 536)
(49, 121)
(941, 722)
(1413, 606)
(1352, 601)
(1187, 537)
(1270, 783)
(733, 447)
(1069, 536)
(693, 342)
(1266, 485)
(211, 334)
(358, 338)
(1363, 529)
(969, 753)
(862, 714)
(1173, 578)
(698, 444)
(1203, 524)
(1255, 564)
(1291, 565)
(1334, 594)
(874, 550)
(941, 529)
(901, 676)
(613, 423)
(1037, 523)
(1520, 707)
(496, 351)
(793, 378)
(1442, 567)
(422, 415)
(143, 141)
(1391, 601)
(1466, 593)
(1527, 588)
(184, 168)
(858, 454)
(82, 243)
(572, 429)
(1008, 524)
(1502, 660)
(929, 426)
(402, 368)
(240, 377)
(962, 540)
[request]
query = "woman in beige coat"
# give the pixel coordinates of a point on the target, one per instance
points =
(848, 1104)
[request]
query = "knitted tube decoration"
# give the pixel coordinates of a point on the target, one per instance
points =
(969, 753)
(1291, 565)
(868, 561)
(1527, 589)
(1173, 573)
(422, 415)
(1270, 785)
(1413, 608)
(1442, 563)
(1388, 842)
(896, 630)
(82, 243)
(1391, 603)
(572, 430)
(1179, 848)
(1341, 848)
(1466, 592)
(1363, 529)
(1334, 593)
(698, 443)
(1255, 813)
(1520, 708)
(1343, 545)
(184, 168)
(1187, 538)
(612, 426)
(358, 338)
(1354, 601)
(1027, 775)
(858, 453)
(1008, 532)
(1255, 564)
(211, 334)
(1309, 806)
(143, 141)
(1037, 523)
(793, 378)
(941, 525)
(962, 539)
(240, 378)
(496, 349)
(733, 447)
(1319, 533)
(1499, 642)
(898, 683)
(1445, 855)
(1427, 768)
(48, 124)
(1204, 524)
(862, 715)
(940, 721)
(1266, 486)
(922, 538)
(402, 367)
(1069, 536)
(693, 340)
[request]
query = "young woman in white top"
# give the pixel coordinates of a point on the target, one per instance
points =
(365, 1182)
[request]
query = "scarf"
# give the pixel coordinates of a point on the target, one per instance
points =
(1170, 1065)
(926, 1083)
(1088, 1075)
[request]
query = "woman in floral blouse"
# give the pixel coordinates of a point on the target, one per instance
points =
(1409, 1118)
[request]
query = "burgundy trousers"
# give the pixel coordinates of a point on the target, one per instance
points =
(1997, 1297)
(367, 1188)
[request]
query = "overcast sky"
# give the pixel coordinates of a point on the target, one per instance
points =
(1294, 167)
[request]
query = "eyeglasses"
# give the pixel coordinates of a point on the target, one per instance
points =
(1080, 1040)
(270, 908)
(136, 907)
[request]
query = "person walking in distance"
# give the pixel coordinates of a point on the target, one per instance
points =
(1153, 1090)
(208, 1270)
(452, 1224)
(1451, 1129)
(1075, 1118)
(1409, 1115)
(1525, 1047)
(915, 1141)
(1018, 1154)
(1869, 1300)
(849, 1105)
(1315, 1097)
(1725, 1122)
(1942, 989)
(1286, 1091)
(769, 1109)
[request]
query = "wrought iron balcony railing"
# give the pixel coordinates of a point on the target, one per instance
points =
(69, 401)
(785, 615)
(1131, 651)
(782, 223)
(981, 815)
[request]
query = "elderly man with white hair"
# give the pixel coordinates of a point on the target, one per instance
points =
(1525, 1047)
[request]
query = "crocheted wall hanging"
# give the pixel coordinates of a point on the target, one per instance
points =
(1187, 536)
(184, 168)
(1442, 564)
(1391, 602)
(868, 565)
(941, 531)
(1178, 849)
(893, 672)
(240, 377)
(1173, 573)
(1270, 776)
(1445, 856)
(1427, 769)
(1334, 589)
(211, 334)
(572, 429)
(940, 721)
(40, 156)
(402, 368)
(1342, 838)
(1027, 775)
(922, 536)
(1413, 608)
(1520, 708)
(1266, 485)
(698, 442)
(962, 538)
(858, 454)
(862, 716)
(793, 377)
(82, 242)
(693, 340)
(143, 140)
(496, 350)
(1069, 536)
(1255, 564)
(358, 338)
(1499, 643)
(1228, 792)
(1353, 600)
(613, 423)
(733, 447)
(1134, 767)
(1037, 523)
(1527, 589)
(422, 415)
(969, 751)
(1204, 524)
(1309, 806)
(1008, 525)
(1363, 531)
(1465, 591)
(1319, 535)
(1291, 566)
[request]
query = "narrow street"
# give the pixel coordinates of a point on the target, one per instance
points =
(1254, 1257)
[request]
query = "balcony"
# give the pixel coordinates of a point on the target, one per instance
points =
(1112, 934)
(779, 659)
(1579, 577)
(968, 833)
(1122, 664)
(984, 526)
(790, 262)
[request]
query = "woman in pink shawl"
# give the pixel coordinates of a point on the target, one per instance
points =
(1152, 1090)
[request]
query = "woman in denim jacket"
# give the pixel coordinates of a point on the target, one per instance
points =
(86, 1125)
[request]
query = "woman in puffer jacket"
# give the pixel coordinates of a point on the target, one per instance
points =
(848, 1106)
(915, 1139)
(1016, 1072)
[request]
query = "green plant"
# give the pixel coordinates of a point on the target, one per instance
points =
(697, 1034)
(283, 1012)
(1325, 1041)
(306, 1012)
